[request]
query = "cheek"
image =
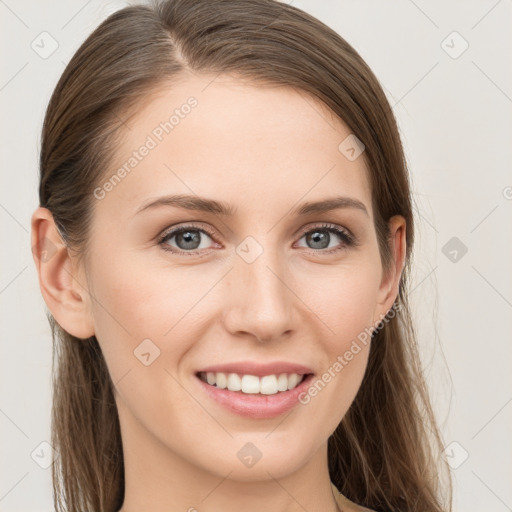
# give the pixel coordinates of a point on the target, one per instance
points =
(345, 303)
(146, 322)
(134, 303)
(146, 300)
(344, 299)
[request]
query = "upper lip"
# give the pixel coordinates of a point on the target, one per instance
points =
(258, 369)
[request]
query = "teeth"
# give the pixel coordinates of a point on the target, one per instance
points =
(251, 384)
(234, 382)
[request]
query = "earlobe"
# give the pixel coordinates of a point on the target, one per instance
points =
(61, 285)
(389, 286)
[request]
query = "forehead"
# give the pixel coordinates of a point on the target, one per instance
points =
(236, 140)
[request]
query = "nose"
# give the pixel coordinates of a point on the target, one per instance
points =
(260, 299)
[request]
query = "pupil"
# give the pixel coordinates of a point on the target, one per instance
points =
(188, 239)
(319, 237)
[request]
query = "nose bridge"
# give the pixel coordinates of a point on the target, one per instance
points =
(261, 302)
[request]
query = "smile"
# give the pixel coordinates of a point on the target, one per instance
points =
(252, 396)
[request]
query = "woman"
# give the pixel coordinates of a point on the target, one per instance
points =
(223, 242)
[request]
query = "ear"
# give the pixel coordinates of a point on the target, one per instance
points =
(388, 289)
(62, 285)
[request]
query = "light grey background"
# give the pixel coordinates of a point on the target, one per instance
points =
(454, 111)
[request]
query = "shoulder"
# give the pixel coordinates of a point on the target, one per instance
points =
(345, 504)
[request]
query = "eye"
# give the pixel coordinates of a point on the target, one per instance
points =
(190, 239)
(320, 238)
(186, 238)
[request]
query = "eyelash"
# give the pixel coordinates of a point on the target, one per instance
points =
(344, 235)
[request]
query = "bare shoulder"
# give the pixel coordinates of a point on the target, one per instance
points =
(345, 504)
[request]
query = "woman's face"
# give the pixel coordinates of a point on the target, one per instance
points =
(268, 281)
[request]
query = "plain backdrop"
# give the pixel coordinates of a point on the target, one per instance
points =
(445, 67)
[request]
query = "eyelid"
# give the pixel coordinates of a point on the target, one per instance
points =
(327, 226)
(184, 226)
(343, 233)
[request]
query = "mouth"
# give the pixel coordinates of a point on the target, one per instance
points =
(254, 397)
(252, 384)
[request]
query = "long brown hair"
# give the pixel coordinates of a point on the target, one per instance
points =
(386, 452)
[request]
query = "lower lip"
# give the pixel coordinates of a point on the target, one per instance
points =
(256, 406)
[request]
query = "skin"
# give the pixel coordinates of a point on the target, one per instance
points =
(263, 150)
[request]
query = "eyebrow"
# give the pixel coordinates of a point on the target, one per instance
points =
(190, 202)
(196, 203)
